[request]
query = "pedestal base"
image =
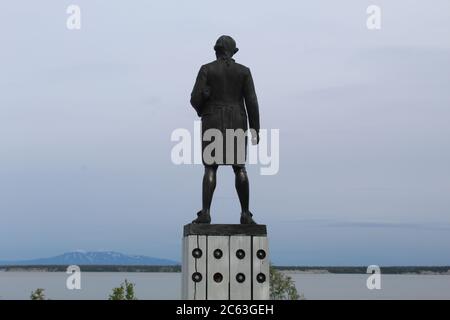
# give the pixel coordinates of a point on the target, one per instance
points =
(225, 261)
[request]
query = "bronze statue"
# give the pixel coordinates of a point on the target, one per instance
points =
(224, 97)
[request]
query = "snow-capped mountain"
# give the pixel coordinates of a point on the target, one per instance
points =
(94, 258)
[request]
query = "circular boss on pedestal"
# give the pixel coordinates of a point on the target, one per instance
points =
(261, 254)
(240, 277)
(197, 253)
(217, 277)
(197, 277)
(260, 277)
(240, 254)
(218, 253)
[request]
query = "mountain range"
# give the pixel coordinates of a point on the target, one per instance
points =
(93, 258)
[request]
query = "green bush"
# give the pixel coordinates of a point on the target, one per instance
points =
(38, 294)
(282, 287)
(124, 292)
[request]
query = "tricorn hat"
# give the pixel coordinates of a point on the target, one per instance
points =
(226, 44)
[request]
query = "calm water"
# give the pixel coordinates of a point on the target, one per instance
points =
(98, 285)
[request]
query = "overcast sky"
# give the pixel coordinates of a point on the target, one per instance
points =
(364, 118)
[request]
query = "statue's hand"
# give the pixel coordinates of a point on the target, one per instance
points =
(255, 137)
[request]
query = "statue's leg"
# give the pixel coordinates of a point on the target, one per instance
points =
(242, 188)
(209, 185)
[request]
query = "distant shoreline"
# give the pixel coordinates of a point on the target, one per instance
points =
(414, 270)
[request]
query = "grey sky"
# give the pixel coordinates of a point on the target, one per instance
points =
(364, 119)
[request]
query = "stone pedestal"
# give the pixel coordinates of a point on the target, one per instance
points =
(225, 261)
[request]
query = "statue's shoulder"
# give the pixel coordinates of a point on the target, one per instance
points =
(209, 64)
(243, 69)
(241, 66)
(214, 65)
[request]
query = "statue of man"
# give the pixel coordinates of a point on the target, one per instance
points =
(224, 97)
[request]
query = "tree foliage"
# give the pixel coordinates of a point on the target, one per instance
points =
(282, 287)
(37, 294)
(124, 292)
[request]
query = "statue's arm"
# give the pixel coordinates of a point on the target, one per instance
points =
(199, 92)
(251, 102)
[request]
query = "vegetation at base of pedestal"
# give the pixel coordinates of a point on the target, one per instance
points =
(124, 292)
(282, 287)
(38, 294)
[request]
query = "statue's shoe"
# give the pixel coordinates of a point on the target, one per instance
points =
(203, 217)
(246, 218)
